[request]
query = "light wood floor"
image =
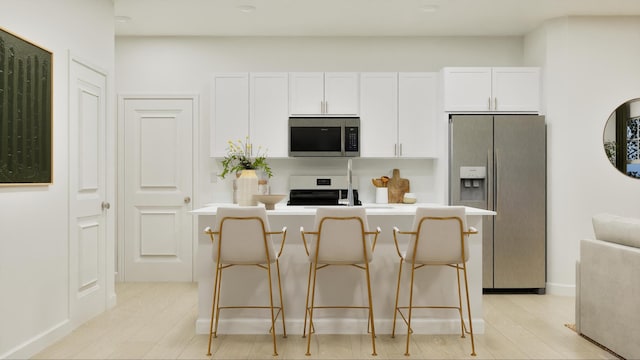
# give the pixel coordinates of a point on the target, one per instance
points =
(157, 321)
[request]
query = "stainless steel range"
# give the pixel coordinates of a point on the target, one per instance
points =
(321, 190)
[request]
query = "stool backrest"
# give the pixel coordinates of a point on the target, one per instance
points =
(440, 237)
(341, 238)
(243, 236)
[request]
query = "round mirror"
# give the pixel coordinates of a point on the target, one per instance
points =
(622, 138)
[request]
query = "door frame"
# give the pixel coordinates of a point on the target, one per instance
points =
(195, 146)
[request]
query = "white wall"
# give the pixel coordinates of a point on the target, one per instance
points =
(170, 65)
(590, 69)
(34, 236)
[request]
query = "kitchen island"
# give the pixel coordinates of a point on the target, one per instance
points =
(338, 285)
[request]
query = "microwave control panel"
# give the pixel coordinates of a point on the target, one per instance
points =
(351, 139)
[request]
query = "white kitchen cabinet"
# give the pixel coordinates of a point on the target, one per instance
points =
(378, 114)
(491, 89)
(317, 93)
(229, 110)
(269, 113)
(398, 115)
(417, 114)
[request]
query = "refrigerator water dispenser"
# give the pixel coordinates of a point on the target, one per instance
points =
(472, 183)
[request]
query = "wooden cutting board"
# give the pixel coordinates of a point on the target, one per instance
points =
(397, 187)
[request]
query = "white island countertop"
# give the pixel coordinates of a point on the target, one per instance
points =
(372, 209)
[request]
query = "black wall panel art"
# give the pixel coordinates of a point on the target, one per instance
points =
(25, 112)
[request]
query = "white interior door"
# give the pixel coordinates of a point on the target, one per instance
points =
(87, 191)
(158, 167)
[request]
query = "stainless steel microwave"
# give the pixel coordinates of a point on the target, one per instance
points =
(324, 137)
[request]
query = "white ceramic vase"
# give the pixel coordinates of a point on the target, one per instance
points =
(247, 185)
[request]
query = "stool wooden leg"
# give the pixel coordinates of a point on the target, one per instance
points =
(284, 327)
(413, 271)
(373, 328)
(466, 287)
(395, 308)
(313, 295)
(306, 302)
(273, 318)
(213, 308)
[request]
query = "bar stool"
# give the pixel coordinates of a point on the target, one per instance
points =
(439, 238)
(244, 238)
(340, 238)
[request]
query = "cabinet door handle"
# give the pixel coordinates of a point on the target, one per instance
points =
(105, 205)
(489, 102)
(326, 107)
(495, 103)
(187, 200)
(400, 149)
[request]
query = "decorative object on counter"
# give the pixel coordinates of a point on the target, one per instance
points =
(269, 201)
(382, 195)
(247, 187)
(382, 192)
(382, 182)
(240, 161)
(409, 198)
(239, 158)
(263, 187)
(397, 187)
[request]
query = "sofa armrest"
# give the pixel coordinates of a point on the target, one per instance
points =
(609, 310)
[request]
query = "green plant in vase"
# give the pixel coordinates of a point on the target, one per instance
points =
(239, 158)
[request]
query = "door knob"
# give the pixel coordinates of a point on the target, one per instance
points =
(187, 200)
(105, 205)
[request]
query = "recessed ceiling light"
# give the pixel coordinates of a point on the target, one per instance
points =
(429, 8)
(246, 8)
(122, 19)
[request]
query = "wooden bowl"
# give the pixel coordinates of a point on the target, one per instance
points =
(270, 200)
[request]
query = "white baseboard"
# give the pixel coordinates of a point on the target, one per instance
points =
(38, 343)
(338, 326)
(112, 301)
(561, 289)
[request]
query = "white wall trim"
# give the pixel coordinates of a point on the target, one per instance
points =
(38, 343)
(561, 289)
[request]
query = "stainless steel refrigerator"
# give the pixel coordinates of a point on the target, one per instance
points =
(498, 162)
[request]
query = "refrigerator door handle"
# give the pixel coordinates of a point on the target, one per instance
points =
(496, 179)
(490, 190)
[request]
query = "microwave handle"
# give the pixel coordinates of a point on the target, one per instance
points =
(343, 143)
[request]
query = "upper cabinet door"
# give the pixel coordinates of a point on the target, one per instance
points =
(467, 89)
(516, 89)
(269, 113)
(379, 114)
(306, 93)
(417, 114)
(230, 110)
(341, 93)
(313, 93)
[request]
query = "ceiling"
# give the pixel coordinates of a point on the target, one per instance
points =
(351, 17)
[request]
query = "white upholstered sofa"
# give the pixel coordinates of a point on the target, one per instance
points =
(608, 285)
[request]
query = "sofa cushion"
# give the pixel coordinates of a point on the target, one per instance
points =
(617, 229)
